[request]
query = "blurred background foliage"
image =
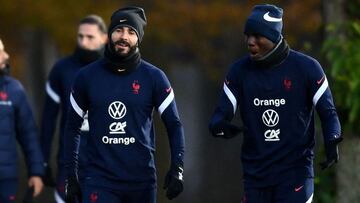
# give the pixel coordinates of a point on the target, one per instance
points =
(343, 51)
(341, 48)
(205, 32)
(195, 41)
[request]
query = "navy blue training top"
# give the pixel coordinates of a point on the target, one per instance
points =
(58, 88)
(120, 109)
(277, 107)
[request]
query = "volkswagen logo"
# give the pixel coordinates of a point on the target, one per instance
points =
(270, 118)
(117, 110)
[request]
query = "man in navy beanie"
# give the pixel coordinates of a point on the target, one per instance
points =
(120, 93)
(277, 91)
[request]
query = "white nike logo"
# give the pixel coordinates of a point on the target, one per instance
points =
(221, 133)
(181, 173)
(122, 20)
(271, 19)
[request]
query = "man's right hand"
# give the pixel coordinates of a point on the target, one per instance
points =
(226, 130)
(48, 177)
(72, 190)
(36, 183)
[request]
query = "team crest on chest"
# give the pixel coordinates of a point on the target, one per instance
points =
(136, 87)
(94, 197)
(287, 84)
(3, 96)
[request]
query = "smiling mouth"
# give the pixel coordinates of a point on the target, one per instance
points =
(122, 45)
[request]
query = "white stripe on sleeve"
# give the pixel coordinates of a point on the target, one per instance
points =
(58, 199)
(76, 107)
(52, 94)
(166, 102)
(231, 97)
(310, 199)
(320, 91)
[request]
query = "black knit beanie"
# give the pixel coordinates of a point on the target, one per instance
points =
(132, 16)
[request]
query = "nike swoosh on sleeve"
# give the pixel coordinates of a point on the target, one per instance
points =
(319, 81)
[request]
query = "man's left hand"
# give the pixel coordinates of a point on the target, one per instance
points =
(72, 190)
(332, 153)
(174, 182)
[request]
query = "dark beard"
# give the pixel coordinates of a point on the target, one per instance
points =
(88, 56)
(120, 63)
(132, 49)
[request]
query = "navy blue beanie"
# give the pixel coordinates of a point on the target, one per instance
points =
(265, 20)
(132, 16)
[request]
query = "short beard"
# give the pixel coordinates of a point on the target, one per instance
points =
(119, 52)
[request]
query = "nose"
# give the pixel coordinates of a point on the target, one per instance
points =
(124, 35)
(83, 42)
(250, 40)
(4, 55)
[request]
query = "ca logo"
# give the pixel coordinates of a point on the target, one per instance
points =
(272, 135)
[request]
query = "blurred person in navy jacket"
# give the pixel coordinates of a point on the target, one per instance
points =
(16, 123)
(91, 38)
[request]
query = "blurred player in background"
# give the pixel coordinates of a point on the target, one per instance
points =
(91, 38)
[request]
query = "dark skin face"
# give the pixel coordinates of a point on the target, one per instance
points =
(258, 45)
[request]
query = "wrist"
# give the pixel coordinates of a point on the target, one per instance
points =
(177, 166)
(333, 142)
(176, 171)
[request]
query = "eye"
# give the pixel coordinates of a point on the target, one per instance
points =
(132, 32)
(119, 30)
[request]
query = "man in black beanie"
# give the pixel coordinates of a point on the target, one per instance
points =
(277, 91)
(120, 93)
(123, 54)
(91, 39)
